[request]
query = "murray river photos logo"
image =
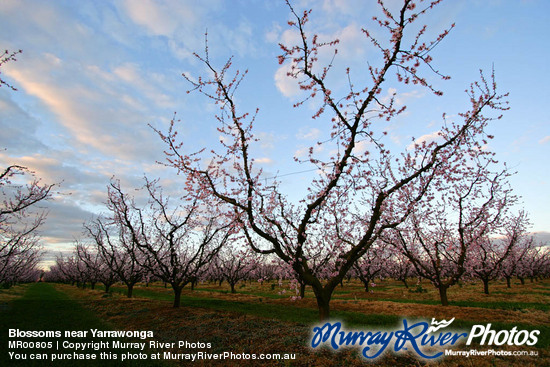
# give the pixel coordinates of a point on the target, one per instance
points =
(426, 340)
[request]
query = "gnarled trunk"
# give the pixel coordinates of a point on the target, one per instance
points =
(443, 295)
(323, 302)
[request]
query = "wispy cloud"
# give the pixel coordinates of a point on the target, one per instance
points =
(308, 134)
(263, 160)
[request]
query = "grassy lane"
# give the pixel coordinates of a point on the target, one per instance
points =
(43, 308)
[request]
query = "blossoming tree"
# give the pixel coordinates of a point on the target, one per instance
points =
(439, 237)
(487, 260)
(20, 219)
(373, 189)
(174, 242)
(20, 194)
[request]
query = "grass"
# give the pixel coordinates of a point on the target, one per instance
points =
(43, 308)
(489, 305)
(299, 315)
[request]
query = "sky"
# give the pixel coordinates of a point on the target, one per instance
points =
(94, 76)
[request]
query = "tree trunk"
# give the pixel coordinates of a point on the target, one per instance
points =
(324, 309)
(323, 302)
(107, 287)
(485, 286)
(93, 284)
(177, 295)
(232, 287)
(443, 296)
(522, 280)
(302, 290)
(365, 283)
(508, 283)
(130, 290)
(405, 282)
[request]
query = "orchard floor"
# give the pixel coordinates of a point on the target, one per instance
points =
(40, 307)
(261, 319)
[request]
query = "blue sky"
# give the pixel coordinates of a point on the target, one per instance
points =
(94, 74)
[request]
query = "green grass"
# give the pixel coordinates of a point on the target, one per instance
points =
(274, 311)
(160, 293)
(489, 305)
(241, 291)
(43, 308)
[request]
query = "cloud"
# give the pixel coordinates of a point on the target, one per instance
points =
(64, 221)
(273, 34)
(102, 112)
(352, 46)
(241, 38)
(361, 147)
(401, 98)
(287, 85)
(57, 167)
(303, 151)
(264, 160)
(137, 79)
(352, 42)
(160, 18)
(428, 138)
(347, 7)
(268, 140)
(308, 134)
(19, 128)
(542, 237)
(182, 25)
(544, 140)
